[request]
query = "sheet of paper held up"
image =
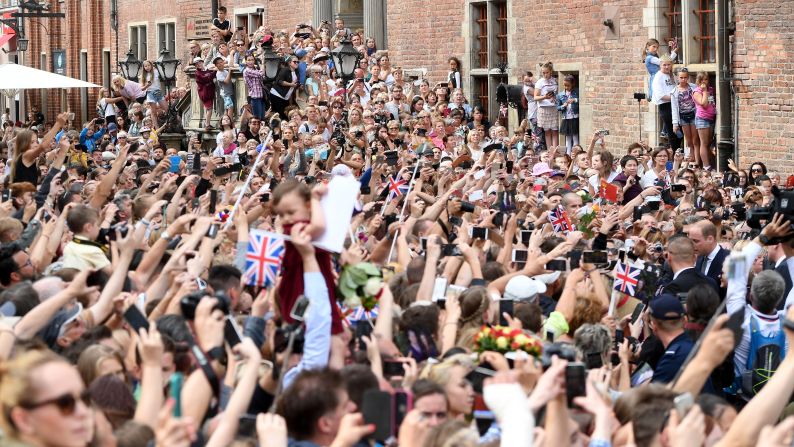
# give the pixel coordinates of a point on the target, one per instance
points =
(337, 208)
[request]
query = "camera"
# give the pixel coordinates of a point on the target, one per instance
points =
(561, 350)
(782, 203)
(189, 302)
(639, 96)
(466, 207)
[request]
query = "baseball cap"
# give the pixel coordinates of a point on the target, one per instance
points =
(146, 129)
(112, 127)
(196, 60)
(667, 307)
(523, 288)
(58, 324)
(107, 156)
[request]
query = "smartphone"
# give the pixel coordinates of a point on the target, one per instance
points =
(574, 259)
(221, 171)
(550, 336)
(136, 319)
(677, 188)
(392, 368)
(403, 403)
(439, 289)
(478, 233)
(734, 323)
(619, 336)
(638, 309)
(423, 243)
(71, 116)
(264, 198)
(683, 403)
(525, 236)
(450, 250)
(213, 201)
(557, 265)
(596, 257)
(421, 132)
(520, 255)
(299, 308)
(509, 166)
(669, 166)
(505, 307)
(575, 377)
(603, 132)
(363, 329)
(593, 360)
(212, 231)
(636, 215)
(653, 205)
(175, 160)
(6, 195)
(231, 332)
(175, 390)
(376, 407)
(196, 165)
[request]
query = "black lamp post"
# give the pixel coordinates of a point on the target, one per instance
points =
(346, 60)
(22, 44)
(166, 69)
(131, 67)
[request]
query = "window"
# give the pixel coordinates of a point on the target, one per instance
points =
(250, 18)
(708, 41)
(675, 18)
(166, 38)
(480, 89)
(501, 33)
(489, 49)
(138, 42)
(480, 42)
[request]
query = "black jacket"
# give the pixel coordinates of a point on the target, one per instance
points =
(284, 75)
(784, 272)
(715, 269)
(688, 279)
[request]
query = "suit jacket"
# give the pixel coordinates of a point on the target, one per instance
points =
(715, 269)
(784, 272)
(284, 75)
(688, 279)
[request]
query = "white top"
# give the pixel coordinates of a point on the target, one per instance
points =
(532, 105)
(545, 86)
(710, 258)
(663, 85)
(109, 109)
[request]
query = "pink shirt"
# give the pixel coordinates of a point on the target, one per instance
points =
(132, 90)
(709, 111)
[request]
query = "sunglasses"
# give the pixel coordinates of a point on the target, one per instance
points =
(65, 403)
(756, 170)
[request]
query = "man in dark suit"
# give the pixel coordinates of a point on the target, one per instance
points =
(681, 259)
(710, 256)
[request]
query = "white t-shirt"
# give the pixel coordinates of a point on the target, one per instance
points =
(663, 85)
(109, 109)
(532, 105)
(545, 86)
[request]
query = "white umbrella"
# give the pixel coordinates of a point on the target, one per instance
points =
(15, 77)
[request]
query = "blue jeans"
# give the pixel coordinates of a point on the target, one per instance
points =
(258, 107)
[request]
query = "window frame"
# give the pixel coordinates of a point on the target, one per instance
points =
(138, 30)
(166, 35)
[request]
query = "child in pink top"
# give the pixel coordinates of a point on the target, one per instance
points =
(705, 115)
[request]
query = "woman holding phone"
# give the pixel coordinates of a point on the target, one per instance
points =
(545, 95)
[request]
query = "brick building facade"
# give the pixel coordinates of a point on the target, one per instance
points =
(599, 43)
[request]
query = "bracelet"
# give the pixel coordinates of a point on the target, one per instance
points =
(145, 222)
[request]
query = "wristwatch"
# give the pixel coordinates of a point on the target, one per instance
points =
(764, 240)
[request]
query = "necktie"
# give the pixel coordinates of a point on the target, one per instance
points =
(706, 261)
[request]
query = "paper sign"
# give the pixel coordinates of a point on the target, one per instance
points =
(476, 195)
(337, 208)
(479, 174)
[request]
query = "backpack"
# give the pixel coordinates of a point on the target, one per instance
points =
(766, 353)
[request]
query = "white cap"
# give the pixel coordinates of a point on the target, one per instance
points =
(107, 156)
(522, 288)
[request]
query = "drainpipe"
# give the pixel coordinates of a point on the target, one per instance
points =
(214, 8)
(726, 116)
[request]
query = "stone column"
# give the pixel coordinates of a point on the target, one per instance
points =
(375, 21)
(322, 10)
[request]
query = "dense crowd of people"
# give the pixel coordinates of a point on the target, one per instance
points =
(492, 289)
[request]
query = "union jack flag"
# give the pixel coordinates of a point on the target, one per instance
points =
(627, 278)
(357, 314)
(397, 187)
(263, 258)
(559, 220)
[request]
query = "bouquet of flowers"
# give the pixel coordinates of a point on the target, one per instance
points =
(504, 339)
(360, 285)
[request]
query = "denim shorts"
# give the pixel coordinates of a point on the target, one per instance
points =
(154, 96)
(228, 102)
(701, 123)
(682, 121)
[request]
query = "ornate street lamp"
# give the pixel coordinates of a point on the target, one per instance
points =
(272, 62)
(22, 44)
(346, 61)
(166, 68)
(131, 67)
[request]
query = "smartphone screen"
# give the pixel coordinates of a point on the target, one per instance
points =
(212, 231)
(637, 312)
(213, 201)
(505, 307)
(509, 166)
(520, 255)
(595, 257)
(393, 368)
(231, 332)
(376, 408)
(136, 319)
(403, 403)
(479, 233)
(299, 308)
(575, 385)
(439, 289)
(525, 235)
(450, 250)
(557, 265)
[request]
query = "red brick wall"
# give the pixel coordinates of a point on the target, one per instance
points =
(284, 15)
(765, 82)
(420, 36)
